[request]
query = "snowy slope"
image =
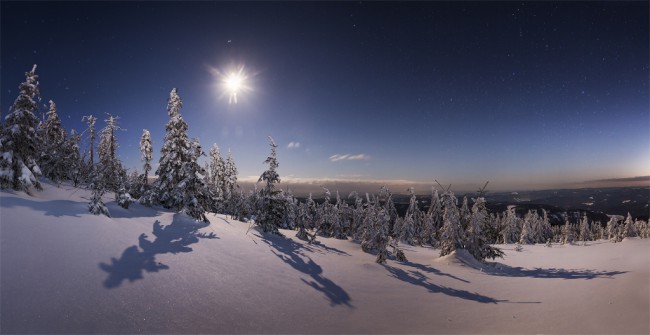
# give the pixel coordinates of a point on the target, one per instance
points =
(64, 270)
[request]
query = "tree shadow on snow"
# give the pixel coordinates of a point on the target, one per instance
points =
(56, 208)
(498, 269)
(292, 253)
(431, 270)
(174, 238)
(419, 279)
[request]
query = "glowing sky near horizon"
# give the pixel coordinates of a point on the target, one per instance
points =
(521, 94)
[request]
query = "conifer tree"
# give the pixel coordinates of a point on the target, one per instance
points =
(612, 229)
(72, 157)
(90, 120)
(477, 243)
(19, 143)
(629, 230)
(52, 137)
(110, 167)
(96, 205)
(527, 233)
(584, 229)
(270, 216)
(193, 188)
(173, 155)
(453, 235)
(567, 231)
(230, 185)
(217, 178)
(146, 150)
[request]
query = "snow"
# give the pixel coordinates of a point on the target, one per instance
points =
(149, 270)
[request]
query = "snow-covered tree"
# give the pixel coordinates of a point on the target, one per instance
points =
(146, 150)
(52, 141)
(193, 188)
(629, 230)
(509, 229)
(19, 143)
(432, 223)
(584, 230)
(110, 167)
(270, 216)
(358, 213)
(612, 229)
(527, 233)
(96, 205)
(406, 230)
(453, 235)
(230, 185)
(90, 165)
(567, 231)
(217, 178)
(173, 155)
(72, 158)
(477, 243)
(122, 197)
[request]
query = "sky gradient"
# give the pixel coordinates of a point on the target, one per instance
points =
(526, 95)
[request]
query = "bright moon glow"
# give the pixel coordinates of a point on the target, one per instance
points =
(233, 82)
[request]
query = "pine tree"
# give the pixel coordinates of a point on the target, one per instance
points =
(567, 231)
(527, 233)
(358, 211)
(477, 243)
(217, 178)
(433, 220)
(612, 229)
(230, 185)
(271, 207)
(72, 158)
(90, 165)
(52, 156)
(110, 167)
(96, 205)
(407, 233)
(173, 155)
(453, 235)
(146, 150)
(19, 143)
(584, 230)
(629, 229)
(193, 188)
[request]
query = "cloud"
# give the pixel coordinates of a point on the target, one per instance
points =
(293, 145)
(348, 157)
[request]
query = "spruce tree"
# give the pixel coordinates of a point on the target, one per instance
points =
(146, 150)
(19, 143)
(193, 187)
(629, 229)
(270, 216)
(477, 243)
(52, 137)
(453, 235)
(217, 177)
(173, 155)
(230, 185)
(110, 167)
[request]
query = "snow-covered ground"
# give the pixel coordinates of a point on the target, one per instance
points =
(148, 270)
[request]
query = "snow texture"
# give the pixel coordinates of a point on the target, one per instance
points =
(151, 270)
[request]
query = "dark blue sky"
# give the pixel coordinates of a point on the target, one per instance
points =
(525, 95)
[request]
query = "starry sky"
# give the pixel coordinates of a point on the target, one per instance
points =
(525, 95)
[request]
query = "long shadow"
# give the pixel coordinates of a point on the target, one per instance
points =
(174, 238)
(70, 208)
(292, 253)
(431, 270)
(419, 279)
(333, 250)
(56, 208)
(498, 269)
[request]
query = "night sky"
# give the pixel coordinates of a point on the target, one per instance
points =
(525, 95)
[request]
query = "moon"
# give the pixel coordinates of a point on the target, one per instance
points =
(234, 83)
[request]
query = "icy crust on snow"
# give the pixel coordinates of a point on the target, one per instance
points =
(149, 270)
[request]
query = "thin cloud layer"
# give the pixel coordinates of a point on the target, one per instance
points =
(348, 157)
(293, 145)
